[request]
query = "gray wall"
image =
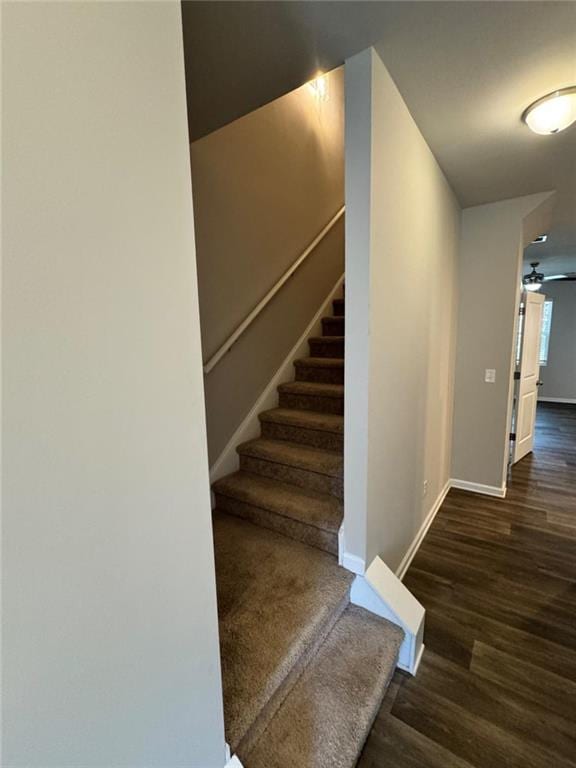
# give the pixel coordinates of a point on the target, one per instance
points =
(559, 376)
(264, 187)
(493, 238)
(110, 646)
(401, 271)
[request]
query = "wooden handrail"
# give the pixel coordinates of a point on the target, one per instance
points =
(233, 338)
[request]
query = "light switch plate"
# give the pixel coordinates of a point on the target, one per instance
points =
(490, 375)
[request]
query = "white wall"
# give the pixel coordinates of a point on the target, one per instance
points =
(110, 647)
(559, 376)
(493, 238)
(402, 233)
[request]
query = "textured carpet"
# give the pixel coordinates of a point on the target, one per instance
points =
(321, 430)
(308, 467)
(312, 396)
(277, 600)
(279, 505)
(325, 719)
(303, 671)
(320, 369)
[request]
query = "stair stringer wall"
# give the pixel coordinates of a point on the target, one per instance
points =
(380, 591)
(228, 461)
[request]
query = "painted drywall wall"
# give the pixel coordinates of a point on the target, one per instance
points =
(401, 273)
(559, 375)
(493, 238)
(264, 187)
(110, 646)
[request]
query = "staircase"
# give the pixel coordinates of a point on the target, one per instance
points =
(303, 670)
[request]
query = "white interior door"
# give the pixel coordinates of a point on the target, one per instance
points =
(529, 370)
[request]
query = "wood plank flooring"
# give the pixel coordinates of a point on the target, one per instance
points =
(497, 684)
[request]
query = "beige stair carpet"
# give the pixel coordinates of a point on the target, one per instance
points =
(324, 721)
(277, 600)
(303, 671)
(325, 370)
(313, 468)
(307, 515)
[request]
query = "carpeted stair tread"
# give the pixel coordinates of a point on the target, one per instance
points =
(326, 717)
(277, 601)
(327, 339)
(315, 396)
(319, 362)
(319, 510)
(326, 346)
(326, 422)
(333, 325)
(295, 455)
(313, 388)
(320, 369)
(338, 306)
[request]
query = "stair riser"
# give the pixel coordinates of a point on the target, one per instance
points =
(338, 307)
(331, 441)
(333, 326)
(321, 348)
(312, 403)
(320, 375)
(303, 478)
(294, 529)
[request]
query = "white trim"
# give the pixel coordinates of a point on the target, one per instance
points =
(567, 400)
(341, 544)
(418, 659)
(228, 461)
(381, 592)
(233, 338)
(351, 562)
(485, 490)
(415, 546)
(234, 762)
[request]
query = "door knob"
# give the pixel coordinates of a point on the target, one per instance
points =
(539, 383)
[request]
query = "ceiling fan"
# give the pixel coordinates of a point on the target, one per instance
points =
(532, 281)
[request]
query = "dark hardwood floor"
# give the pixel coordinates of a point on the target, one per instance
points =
(497, 684)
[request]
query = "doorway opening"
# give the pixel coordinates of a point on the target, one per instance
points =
(545, 373)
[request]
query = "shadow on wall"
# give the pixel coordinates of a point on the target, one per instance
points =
(264, 187)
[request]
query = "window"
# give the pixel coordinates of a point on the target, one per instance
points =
(545, 331)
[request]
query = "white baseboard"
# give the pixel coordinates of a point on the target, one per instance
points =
(486, 490)
(415, 546)
(567, 400)
(381, 592)
(351, 562)
(228, 460)
(234, 762)
(418, 659)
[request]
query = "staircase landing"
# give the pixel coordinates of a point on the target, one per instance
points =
(303, 671)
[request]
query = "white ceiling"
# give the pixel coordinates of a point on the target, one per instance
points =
(477, 66)
(467, 70)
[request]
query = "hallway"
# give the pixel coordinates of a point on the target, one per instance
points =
(497, 684)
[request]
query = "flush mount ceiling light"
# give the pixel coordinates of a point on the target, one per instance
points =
(552, 113)
(533, 280)
(540, 239)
